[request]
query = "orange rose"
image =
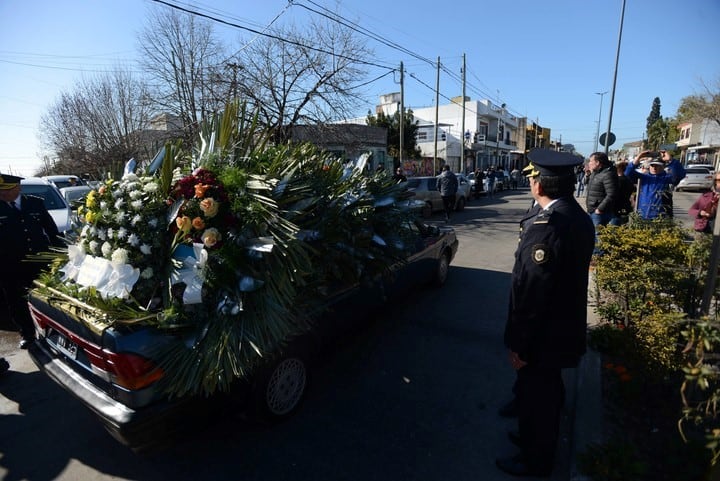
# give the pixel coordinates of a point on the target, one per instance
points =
(209, 207)
(198, 223)
(183, 224)
(200, 190)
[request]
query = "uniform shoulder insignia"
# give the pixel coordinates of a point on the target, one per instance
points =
(540, 253)
(543, 216)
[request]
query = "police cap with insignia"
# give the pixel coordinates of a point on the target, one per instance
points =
(8, 181)
(551, 163)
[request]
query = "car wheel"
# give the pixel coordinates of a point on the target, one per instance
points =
(427, 210)
(280, 388)
(460, 204)
(441, 270)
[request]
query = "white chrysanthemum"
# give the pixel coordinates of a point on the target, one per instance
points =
(110, 233)
(93, 247)
(130, 177)
(136, 204)
(119, 203)
(106, 249)
(147, 273)
(135, 194)
(103, 205)
(134, 240)
(153, 222)
(119, 256)
(122, 233)
(145, 249)
(101, 234)
(151, 187)
(85, 231)
(136, 218)
(120, 217)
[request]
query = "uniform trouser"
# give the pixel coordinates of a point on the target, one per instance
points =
(15, 291)
(540, 395)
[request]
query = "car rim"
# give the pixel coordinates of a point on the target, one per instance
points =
(286, 386)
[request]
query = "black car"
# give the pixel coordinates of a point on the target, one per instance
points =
(113, 370)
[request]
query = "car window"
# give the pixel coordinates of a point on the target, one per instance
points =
(697, 170)
(413, 183)
(432, 183)
(51, 197)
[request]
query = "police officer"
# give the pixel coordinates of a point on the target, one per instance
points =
(547, 315)
(26, 228)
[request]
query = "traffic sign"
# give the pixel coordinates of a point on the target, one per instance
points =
(611, 139)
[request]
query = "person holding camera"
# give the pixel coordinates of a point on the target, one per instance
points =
(656, 185)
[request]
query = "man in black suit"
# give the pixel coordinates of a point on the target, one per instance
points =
(26, 228)
(547, 315)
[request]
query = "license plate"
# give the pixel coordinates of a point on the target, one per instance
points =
(65, 345)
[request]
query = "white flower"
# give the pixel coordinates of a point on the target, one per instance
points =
(135, 194)
(136, 204)
(134, 240)
(122, 233)
(145, 249)
(119, 203)
(151, 187)
(136, 218)
(153, 222)
(93, 247)
(147, 273)
(103, 205)
(120, 217)
(100, 234)
(110, 233)
(106, 249)
(119, 256)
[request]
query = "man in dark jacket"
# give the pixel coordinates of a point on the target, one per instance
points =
(26, 228)
(602, 189)
(447, 184)
(547, 314)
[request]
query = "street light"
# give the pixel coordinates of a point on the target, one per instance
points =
(597, 133)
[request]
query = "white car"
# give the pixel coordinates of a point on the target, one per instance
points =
(61, 181)
(696, 178)
(54, 201)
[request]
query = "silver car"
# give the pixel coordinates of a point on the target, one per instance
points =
(425, 189)
(54, 201)
(696, 178)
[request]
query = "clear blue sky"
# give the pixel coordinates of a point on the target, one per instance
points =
(545, 60)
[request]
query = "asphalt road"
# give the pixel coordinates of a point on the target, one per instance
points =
(413, 396)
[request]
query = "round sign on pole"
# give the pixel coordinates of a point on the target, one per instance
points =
(611, 139)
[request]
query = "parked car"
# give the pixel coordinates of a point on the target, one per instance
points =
(113, 370)
(464, 192)
(425, 189)
(55, 203)
(61, 181)
(75, 194)
(696, 178)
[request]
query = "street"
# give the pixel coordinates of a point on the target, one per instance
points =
(413, 396)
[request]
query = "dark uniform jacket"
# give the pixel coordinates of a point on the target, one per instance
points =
(547, 315)
(24, 233)
(602, 190)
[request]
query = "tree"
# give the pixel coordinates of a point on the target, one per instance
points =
(701, 106)
(186, 63)
(301, 77)
(392, 124)
(663, 131)
(654, 114)
(90, 127)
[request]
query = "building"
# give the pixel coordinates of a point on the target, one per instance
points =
(699, 143)
(347, 141)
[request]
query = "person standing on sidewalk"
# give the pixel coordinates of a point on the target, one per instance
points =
(26, 228)
(447, 184)
(547, 315)
(602, 189)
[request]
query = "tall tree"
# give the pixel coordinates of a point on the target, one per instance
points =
(90, 127)
(705, 105)
(186, 62)
(654, 114)
(392, 124)
(301, 77)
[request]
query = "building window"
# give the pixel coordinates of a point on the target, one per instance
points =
(421, 135)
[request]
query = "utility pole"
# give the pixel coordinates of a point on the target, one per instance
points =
(402, 112)
(612, 95)
(462, 128)
(437, 106)
(597, 132)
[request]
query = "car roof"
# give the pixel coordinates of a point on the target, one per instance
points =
(36, 181)
(60, 177)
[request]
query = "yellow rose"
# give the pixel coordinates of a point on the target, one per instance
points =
(90, 217)
(209, 207)
(183, 223)
(91, 200)
(211, 237)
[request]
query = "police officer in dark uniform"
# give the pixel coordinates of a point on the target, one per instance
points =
(547, 315)
(26, 228)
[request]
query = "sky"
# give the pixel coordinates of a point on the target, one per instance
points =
(547, 61)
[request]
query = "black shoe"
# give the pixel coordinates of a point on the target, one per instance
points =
(514, 437)
(4, 365)
(24, 343)
(509, 410)
(515, 466)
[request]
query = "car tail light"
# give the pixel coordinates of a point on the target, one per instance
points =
(131, 371)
